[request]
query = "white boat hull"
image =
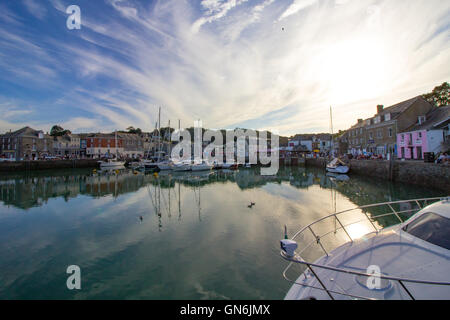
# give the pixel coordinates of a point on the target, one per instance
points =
(108, 165)
(338, 169)
(182, 167)
(201, 167)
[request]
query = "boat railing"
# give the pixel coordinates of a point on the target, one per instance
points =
(339, 225)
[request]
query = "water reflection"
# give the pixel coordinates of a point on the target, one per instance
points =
(171, 236)
(25, 191)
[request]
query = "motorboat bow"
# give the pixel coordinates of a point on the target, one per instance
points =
(409, 260)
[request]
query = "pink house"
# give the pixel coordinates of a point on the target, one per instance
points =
(425, 136)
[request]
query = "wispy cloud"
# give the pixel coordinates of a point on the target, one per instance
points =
(36, 8)
(295, 7)
(226, 62)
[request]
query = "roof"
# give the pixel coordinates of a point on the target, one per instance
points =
(310, 136)
(395, 110)
(400, 107)
(25, 131)
(435, 117)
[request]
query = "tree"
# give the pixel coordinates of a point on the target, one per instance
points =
(133, 130)
(440, 96)
(57, 131)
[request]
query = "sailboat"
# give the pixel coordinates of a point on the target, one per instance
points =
(163, 164)
(113, 163)
(336, 165)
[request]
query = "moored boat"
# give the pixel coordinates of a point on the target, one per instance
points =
(182, 166)
(201, 166)
(111, 163)
(338, 166)
(407, 261)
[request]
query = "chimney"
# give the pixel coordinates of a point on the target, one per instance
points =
(380, 108)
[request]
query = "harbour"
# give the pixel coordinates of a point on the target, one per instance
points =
(166, 235)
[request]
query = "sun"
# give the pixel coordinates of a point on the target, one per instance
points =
(353, 70)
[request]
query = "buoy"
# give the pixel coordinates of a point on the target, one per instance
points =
(117, 171)
(155, 174)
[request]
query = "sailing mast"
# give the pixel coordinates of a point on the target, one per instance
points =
(331, 126)
(115, 142)
(170, 143)
(159, 133)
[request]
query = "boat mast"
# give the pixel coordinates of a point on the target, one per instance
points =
(159, 133)
(331, 126)
(170, 143)
(115, 142)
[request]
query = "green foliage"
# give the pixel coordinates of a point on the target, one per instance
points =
(58, 131)
(133, 130)
(440, 96)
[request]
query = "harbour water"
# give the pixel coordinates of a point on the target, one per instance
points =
(172, 236)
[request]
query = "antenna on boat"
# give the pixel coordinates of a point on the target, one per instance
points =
(285, 232)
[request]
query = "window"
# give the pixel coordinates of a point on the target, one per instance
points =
(387, 117)
(421, 119)
(403, 137)
(420, 134)
(432, 228)
(390, 132)
(371, 135)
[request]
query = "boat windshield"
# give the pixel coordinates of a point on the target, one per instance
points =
(432, 228)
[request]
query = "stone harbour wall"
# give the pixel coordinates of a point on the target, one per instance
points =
(429, 175)
(45, 165)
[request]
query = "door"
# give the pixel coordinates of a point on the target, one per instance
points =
(419, 153)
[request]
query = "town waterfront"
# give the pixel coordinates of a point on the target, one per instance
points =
(171, 236)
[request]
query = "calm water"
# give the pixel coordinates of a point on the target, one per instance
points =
(197, 239)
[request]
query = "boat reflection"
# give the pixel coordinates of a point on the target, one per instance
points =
(29, 190)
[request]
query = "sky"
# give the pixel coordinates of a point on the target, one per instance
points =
(262, 64)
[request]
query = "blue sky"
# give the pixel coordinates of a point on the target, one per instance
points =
(264, 64)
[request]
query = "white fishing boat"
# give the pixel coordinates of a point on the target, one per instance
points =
(338, 166)
(201, 166)
(406, 261)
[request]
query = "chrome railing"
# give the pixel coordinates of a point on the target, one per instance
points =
(297, 259)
